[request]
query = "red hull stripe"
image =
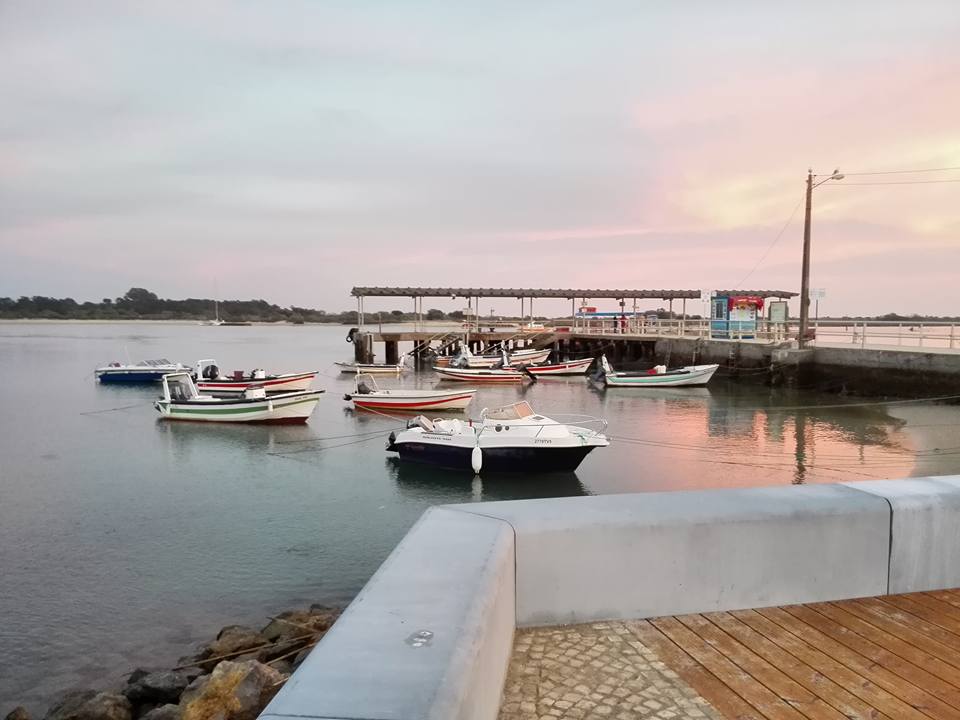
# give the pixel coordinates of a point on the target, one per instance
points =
(417, 404)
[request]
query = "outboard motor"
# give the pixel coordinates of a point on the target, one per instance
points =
(211, 372)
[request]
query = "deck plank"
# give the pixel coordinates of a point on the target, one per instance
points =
(766, 702)
(896, 664)
(855, 683)
(874, 631)
(948, 610)
(777, 682)
(813, 680)
(725, 700)
(924, 612)
(915, 696)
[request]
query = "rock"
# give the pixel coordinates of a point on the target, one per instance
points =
(233, 691)
(284, 667)
(18, 713)
(136, 675)
(301, 656)
(235, 638)
(89, 705)
(164, 712)
(157, 687)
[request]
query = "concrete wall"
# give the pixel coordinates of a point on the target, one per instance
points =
(887, 372)
(451, 579)
(652, 554)
(468, 574)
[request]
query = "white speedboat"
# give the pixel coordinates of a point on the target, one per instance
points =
(367, 396)
(182, 401)
(146, 371)
(371, 368)
(208, 378)
(659, 376)
(509, 439)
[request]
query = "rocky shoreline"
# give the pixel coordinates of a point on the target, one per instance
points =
(233, 677)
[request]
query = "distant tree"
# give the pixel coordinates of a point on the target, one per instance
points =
(434, 314)
(455, 315)
(397, 313)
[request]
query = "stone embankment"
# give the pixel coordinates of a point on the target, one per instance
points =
(231, 678)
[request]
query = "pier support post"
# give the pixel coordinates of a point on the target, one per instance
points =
(391, 352)
(363, 347)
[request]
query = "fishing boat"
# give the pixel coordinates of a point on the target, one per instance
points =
(371, 368)
(659, 376)
(182, 401)
(146, 371)
(509, 439)
(573, 367)
(485, 375)
(368, 396)
(467, 359)
(208, 378)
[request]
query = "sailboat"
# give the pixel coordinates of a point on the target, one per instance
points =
(217, 322)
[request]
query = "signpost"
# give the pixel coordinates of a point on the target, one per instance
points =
(816, 294)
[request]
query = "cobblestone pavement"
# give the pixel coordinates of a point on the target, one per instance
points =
(600, 670)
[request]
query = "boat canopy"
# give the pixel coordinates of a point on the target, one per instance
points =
(517, 411)
(179, 387)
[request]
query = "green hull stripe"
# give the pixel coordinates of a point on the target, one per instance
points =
(174, 410)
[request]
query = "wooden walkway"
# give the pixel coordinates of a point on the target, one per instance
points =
(895, 657)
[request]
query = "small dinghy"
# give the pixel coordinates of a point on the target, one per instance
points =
(146, 371)
(485, 375)
(367, 396)
(509, 439)
(182, 401)
(573, 367)
(371, 368)
(659, 376)
(208, 379)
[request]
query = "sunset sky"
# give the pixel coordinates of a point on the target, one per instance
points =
(292, 149)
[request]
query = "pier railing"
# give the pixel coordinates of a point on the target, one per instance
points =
(862, 334)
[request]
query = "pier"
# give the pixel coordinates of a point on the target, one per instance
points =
(861, 357)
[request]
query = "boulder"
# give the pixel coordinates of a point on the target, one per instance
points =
(284, 667)
(164, 712)
(235, 638)
(233, 691)
(90, 705)
(18, 713)
(157, 687)
(301, 656)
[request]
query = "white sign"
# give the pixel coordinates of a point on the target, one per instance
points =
(817, 293)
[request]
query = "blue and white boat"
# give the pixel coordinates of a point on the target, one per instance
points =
(146, 371)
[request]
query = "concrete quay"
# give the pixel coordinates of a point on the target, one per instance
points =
(433, 632)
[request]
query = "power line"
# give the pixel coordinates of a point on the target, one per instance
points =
(775, 241)
(896, 182)
(904, 172)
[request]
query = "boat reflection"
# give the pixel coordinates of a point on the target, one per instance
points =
(423, 481)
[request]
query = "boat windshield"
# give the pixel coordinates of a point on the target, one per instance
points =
(180, 387)
(517, 411)
(366, 384)
(154, 363)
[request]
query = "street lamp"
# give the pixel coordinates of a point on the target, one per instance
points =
(805, 277)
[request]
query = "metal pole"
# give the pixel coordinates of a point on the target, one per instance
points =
(805, 270)
(683, 320)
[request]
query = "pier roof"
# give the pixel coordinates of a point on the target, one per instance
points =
(759, 293)
(567, 293)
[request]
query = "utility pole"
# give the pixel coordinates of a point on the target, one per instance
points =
(805, 272)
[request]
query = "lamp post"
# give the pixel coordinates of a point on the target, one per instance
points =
(805, 271)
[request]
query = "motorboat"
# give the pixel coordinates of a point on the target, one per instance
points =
(371, 368)
(368, 396)
(513, 438)
(572, 367)
(182, 401)
(209, 379)
(466, 359)
(146, 371)
(515, 374)
(658, 376)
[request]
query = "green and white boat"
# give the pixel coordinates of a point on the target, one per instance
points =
(657, 377)
(182, 401)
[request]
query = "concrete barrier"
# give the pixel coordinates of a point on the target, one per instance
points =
(653, 554)
(924, 531)
(429, 636)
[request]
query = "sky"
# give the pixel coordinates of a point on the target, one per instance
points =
(291, 149)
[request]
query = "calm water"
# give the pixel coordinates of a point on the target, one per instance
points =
(123, 540)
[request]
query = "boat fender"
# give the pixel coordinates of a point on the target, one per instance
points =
(391, 447)
(476, 458)
(353, 331)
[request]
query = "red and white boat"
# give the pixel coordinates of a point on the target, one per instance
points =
(527, 356)
(209, 380)
(367, 396)
(515, 374)
(574, 367)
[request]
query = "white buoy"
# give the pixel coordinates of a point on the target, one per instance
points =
(476, 458)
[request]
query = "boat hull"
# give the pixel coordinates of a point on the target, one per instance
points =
(277, 410)
(574, 367)
(695, 375)
(353, 369)
(131, 377)
(495, 459)
(413, 401)
(280, 383)
(480, 376)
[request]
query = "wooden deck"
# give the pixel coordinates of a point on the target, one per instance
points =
(895, 657)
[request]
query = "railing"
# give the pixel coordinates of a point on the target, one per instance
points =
(848, 333)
